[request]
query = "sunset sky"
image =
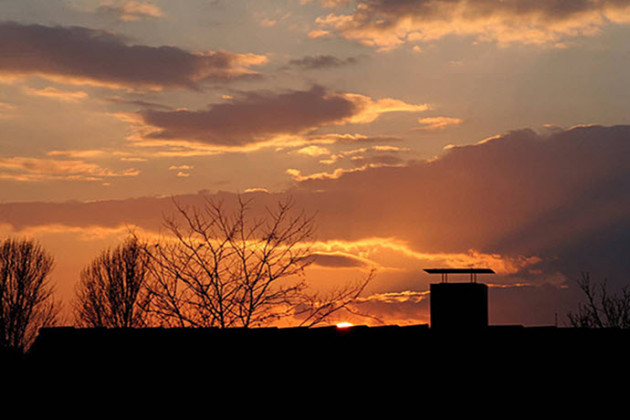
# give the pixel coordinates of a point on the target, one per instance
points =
(422, 133)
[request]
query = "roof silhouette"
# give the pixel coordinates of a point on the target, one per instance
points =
(459, 270)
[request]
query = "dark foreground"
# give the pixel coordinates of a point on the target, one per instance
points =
(361, 361)
(328, 348)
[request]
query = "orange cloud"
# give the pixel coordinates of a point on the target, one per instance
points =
(82, 233)
(386, 24)
(97, 154)
(183, 171)
(333, 138)
(131, 10)
(27, 169)
(317, 34)
(370, 110)
(78, 154)
(340, 260)
(313, 151)
(256, 190)
(397, 297)
(268, 23)
(438, 123)
(296, 174)
(51, 92)
(378, 249)
(365, 156)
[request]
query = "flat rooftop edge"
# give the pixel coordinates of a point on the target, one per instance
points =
(459, 270)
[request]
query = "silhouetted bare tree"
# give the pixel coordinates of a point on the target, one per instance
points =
(230, 269)
(112, 291)
(601, 309)
(26, 297)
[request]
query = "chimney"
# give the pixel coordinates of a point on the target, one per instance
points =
(459, 305)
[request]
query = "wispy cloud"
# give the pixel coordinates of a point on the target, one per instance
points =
(321, 61)
(313, 151)
(27, 169)
(131, 10)
(297, 175)
(6, 110)
(396, 297)
(183, 171)
(60, 95)
(370, 248)
(83, 233)
(340, 260)
(438, 123)
(364, 156)
(92, 154)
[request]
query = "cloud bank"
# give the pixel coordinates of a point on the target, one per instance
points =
(517, 192)
(538, 208)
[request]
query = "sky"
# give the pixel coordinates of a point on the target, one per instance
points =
(421, 133)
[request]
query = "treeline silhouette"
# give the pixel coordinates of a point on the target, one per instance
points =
(215, 268)
(26, 296)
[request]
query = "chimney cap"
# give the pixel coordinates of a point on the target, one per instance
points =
(472, 271)
(459, 270)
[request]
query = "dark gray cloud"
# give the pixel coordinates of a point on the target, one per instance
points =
(265, 116)
(253, 116)
(377, 159)
(138, 103)
(563, 197)
(338, 260)
(321, 62)
(83, 55)
(492, 194)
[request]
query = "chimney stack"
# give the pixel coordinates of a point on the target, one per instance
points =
(459, 305)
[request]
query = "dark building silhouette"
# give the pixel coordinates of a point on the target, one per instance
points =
(459, 348)
(459, 305)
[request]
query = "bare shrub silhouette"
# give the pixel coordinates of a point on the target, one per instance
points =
(225, 269)
(601, 309)
(26, 297)
(112, 291)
